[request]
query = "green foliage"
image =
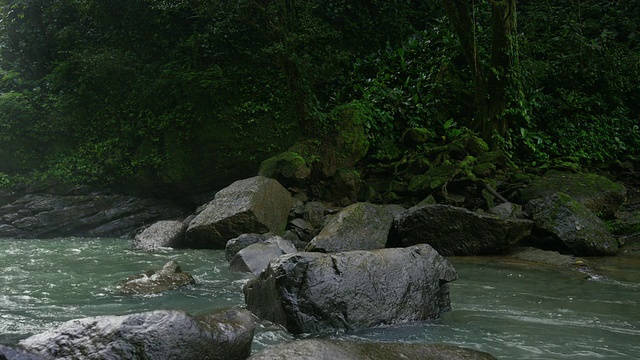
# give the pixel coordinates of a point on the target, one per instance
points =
(166, 92)
(581, 62)
(20, 132)
(4, 180)
(574, 90)
(175, 93)
(410, 85)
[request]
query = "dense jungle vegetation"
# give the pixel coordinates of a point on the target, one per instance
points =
(160, 95)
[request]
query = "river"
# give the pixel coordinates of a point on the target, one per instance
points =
(508, 309)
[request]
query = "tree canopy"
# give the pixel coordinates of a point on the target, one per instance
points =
(181, 94)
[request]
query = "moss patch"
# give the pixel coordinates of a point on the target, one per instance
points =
(289, 167)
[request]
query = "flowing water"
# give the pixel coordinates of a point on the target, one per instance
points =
(507, 309)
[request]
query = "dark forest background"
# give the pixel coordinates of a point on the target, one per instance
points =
(182, 95)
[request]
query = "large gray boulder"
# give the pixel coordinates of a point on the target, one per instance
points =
(165, 233)
(599, 194)
(572, 225)
(254, 205)
(313, 292)
(361, 226)
(168, 278)
(326, 349)
(44, 215)
(160, 335)
(255, 257)
(457, 231)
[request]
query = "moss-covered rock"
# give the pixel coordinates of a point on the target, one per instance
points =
(626, 225)
(572, 224)
(484, 169)
(361, 226)
(344, 143)
(414, 137)
(350, 132)
(419, 183)
(440, 175)
(597, 193)
(289, 168)
(465, 144)
(345, 186)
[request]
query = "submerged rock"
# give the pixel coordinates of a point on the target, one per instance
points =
(153, 282)
(315, 349)
(254, 205)
(160, 335)
(547, 257)
(457, 231)
(361, 226)
(313, 292)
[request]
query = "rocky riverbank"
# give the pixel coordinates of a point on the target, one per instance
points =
(326, 266)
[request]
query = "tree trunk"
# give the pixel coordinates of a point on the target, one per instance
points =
(459, 13)
(491, 95)
(501, 77)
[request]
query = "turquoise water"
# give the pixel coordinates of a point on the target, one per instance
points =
(507, 309)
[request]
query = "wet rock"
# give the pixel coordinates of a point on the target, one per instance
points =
(233, 329)
(361, 226)
(626, 226)
(236, 244)
(164, 334)
(547, 257)
(153, 282)
(429, 200)
(344, 186)
(313, 292)
(7, 353)
(314, 349)
(599, 194)
(255, 257)
(254, 205)
(314, 213)
(506, 210)
(166, 233)
(303, 229)
(87, 214)
(457, 231)
(573, 227)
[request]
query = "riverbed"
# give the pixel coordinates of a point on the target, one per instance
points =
(513, 310)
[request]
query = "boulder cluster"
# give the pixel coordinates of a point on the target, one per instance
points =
(317, 267)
